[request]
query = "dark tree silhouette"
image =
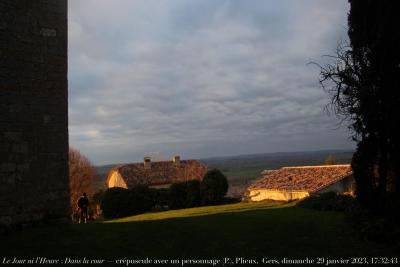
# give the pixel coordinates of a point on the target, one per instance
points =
(213, 187)
(364, 82)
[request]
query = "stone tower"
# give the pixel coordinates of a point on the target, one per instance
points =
(33, 111)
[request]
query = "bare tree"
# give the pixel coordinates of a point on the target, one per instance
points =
(82, 178)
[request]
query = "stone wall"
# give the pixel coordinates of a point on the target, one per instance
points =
(33, 111)
(277, 195)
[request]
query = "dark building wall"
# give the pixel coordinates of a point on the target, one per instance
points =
(33, 111)
(346, 185)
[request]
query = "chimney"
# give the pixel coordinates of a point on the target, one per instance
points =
(147, 163)
(176, 160)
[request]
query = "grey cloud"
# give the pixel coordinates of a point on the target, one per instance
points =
(200, 78)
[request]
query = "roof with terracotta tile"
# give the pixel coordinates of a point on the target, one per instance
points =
(302, 178)
(160, 172)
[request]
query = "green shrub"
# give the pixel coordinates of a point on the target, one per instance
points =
(213, 187)
(141, 199)
(116, 203)
(177, 195)
(185, 195)
(193, 195)
(328, 201)
(119, 202)
(160, 196)
(230, 200)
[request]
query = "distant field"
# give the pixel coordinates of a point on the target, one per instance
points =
(238, 230)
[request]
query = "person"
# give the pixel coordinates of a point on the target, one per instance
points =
(83, 204)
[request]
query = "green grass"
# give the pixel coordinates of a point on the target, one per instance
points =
(202, 211)
(249, 230)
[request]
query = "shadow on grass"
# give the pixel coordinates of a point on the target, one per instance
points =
(258, 232)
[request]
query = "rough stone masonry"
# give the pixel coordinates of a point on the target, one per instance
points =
(33, 111)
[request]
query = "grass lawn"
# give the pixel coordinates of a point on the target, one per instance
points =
(245, 229)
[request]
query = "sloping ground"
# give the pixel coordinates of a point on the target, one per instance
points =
(202, 211)
(248, 230)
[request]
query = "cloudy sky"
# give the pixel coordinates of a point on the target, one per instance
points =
(200, 78)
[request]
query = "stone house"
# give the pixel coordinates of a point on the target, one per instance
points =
(159, 174)
(291, 183)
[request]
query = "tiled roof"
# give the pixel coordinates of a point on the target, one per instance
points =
(302, 178)
(161, 172)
